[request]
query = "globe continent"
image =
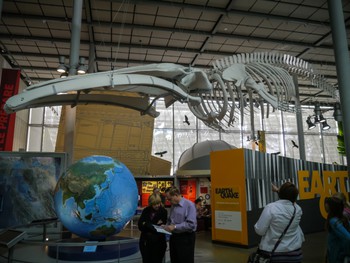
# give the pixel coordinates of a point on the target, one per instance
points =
(96, 197)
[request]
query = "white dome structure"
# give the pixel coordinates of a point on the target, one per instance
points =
(196, 160)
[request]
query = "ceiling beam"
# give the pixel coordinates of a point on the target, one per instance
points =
(229, 10)
(226, 11)
(103, 59)
(111, 44)
(178, 30)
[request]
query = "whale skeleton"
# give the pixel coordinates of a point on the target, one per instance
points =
(267, 74)
(211, 95)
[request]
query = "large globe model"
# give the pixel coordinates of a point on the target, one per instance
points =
(96, 197)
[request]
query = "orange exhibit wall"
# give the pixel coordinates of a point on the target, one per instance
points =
(241, 187)
(229, 217)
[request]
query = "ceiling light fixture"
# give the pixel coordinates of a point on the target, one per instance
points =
(62, 67)
(28, 80)
(64, 75)
(325, 126)
(310, 124)
(82, 68)
(321, 118)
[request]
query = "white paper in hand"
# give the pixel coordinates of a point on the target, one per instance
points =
(161, 230)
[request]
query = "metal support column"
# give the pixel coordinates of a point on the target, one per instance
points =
(342, 62)
(323, 155)
(284, 150)
(92, 54)
(252, 124)
(70, 112)
(299, 117)
(1, 3)
(92, 58)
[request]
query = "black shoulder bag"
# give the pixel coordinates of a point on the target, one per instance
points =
(263, 257)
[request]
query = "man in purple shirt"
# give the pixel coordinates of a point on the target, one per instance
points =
(182, 222)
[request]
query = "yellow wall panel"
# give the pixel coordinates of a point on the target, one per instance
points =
(107, 131)
(159, 166)
(228, 196)
(135, 136)
(117, 132)
(86, 140)
(105, 143)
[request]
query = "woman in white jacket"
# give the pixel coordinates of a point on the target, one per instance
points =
(274, 220)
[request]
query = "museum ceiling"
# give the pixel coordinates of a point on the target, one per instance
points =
(121, 33)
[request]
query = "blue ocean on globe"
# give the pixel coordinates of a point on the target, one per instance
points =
(96, 197)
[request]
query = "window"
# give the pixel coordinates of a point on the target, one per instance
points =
(174, 135)
(42, 129)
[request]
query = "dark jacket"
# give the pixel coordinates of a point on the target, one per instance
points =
(152, 243)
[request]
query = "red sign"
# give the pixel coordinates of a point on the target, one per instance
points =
(8, 87)
(188, 189)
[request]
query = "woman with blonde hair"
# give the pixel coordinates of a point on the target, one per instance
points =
(152, 244)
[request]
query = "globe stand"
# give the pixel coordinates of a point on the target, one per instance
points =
(94, 250)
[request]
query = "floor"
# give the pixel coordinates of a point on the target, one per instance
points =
(206, 251)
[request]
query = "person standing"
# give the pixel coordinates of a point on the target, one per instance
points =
(274, 219)
(203, 218)
(201, 211)
(182, 223)
(338, 227)
(346, 211)
(156, 190)
(152, 244)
